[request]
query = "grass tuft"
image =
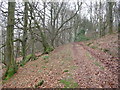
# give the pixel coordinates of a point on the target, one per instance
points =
(39, 84)
(65, 71)
(43, 66)
(45, 57)
(69, 84)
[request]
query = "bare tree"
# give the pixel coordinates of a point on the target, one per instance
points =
(11, 64)
(110, 17)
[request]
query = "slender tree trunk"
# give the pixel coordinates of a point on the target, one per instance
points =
(25, 31)
(4, 48)
(100, 20)
(11, 64)
(46, 46)
(32, 36)
(110, 17)
(18, 46)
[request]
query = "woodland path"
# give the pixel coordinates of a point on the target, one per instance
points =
(72, 65)
(92, 73)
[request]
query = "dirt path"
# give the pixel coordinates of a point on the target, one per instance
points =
(56, 70)
(92, 73)
(69, 66)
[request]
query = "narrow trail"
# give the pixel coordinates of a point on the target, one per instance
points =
(83, 67)
(50, 70)
(92, 73)
(109, 61)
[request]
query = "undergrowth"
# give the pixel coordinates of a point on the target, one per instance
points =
(23, 62)
(39, 84)
(9, 73)
(69, 84)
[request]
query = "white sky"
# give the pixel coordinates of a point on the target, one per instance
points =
(62, 0)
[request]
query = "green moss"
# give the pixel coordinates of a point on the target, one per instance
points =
(48, 50)
(28, 57)
(39, 84)
(43, 66)
(23, 62)
(82, 38)
(45, 57)
(9, 73)
(65, 71)
(33, 57)
(69, 84)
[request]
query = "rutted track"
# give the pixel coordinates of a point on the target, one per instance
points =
(77, 55)
(109, 61)
(90, 75)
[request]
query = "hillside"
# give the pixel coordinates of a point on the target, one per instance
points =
(91, 64)
(107, 44)
(59, 44)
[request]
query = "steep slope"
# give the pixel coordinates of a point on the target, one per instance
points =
(107, 44)
(74, 65)
(55, 69)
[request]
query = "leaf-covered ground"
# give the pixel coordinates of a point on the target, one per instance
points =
(75, 65)
(107, 44)
(55, 69)
(92, 71)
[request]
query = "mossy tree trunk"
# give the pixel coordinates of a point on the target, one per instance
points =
(46, 46)
(24, 41)
(100, 18)
(32, 36)
(11, 64)
(110, 17)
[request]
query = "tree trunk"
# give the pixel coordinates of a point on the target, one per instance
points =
(100, 20)
(11, 64)
(18, 46)
(110, 17)
(25, 31)
(32, 37)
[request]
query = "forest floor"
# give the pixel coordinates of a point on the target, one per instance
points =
(74, 65)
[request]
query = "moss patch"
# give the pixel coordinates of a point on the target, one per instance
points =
(23, 62)
(69, 84)
(45, 57)
(39, 84)
(43, 66)
(9, 73)
(48, 50)
(65, 71)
